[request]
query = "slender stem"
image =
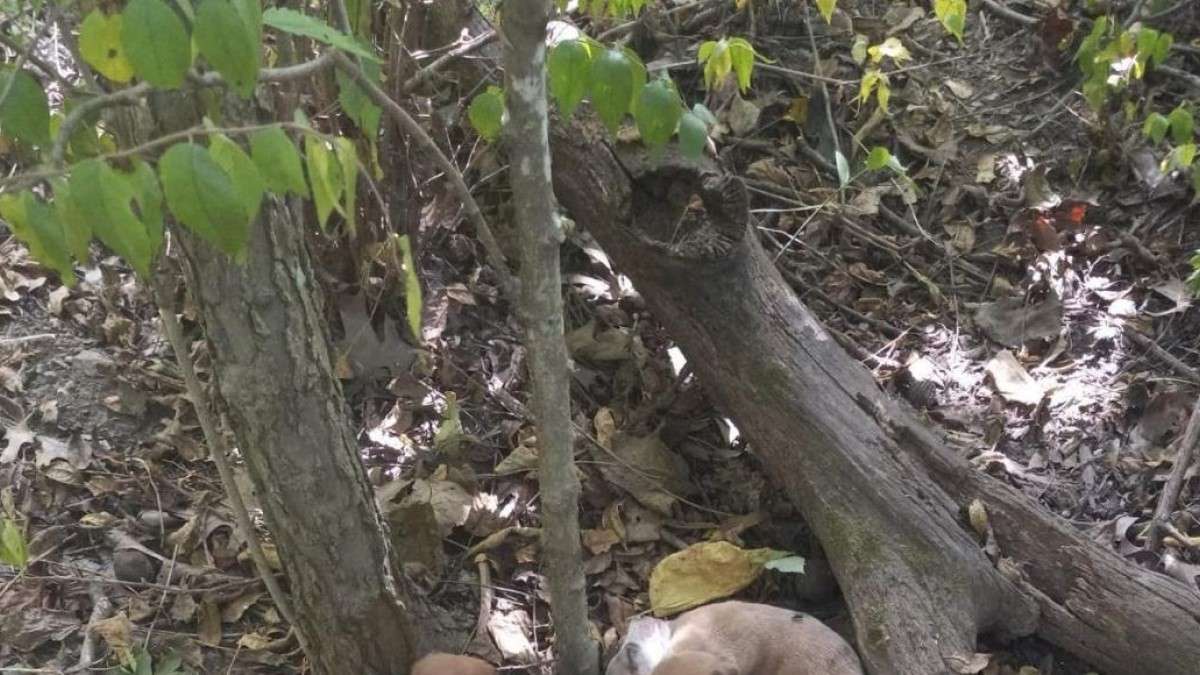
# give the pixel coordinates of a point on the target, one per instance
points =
(540, 235)
(409, 125)
(138, 91)
(216, 445)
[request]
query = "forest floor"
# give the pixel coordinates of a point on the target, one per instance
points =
(1024, 286)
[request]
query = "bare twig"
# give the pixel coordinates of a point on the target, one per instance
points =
(440, 62)
(1162, 355)
(1010, 14)
(1185, 455)
(410, 126)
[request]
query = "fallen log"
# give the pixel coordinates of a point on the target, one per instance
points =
(884, 494)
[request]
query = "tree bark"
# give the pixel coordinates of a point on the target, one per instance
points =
(270, 359)
(884, 495)
(540, 233)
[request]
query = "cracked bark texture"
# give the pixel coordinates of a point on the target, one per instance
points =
(271, 363)
(882, 492)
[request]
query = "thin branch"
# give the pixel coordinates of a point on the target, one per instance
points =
(409, 125)
(41, 64)
(24, 55)
(440, 62)
(1012, 15)
(1184, 456)
(138, 91)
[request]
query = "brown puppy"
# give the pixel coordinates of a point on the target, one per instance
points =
(734, 638)
(450, 664)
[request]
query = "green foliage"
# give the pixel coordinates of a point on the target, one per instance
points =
(953, 15)
(203, 196)
(296, 23)
(77, 228)
(1156, 127)
(881, 158)
(324, 177)
(693, 130)
(875, 81)
(615, 8)
(486, 113)
(156, 43)
(357, 104)
(278, 161)
(826, 7)
(101, 47)
(37, 226)
(348, 164)
(412, 286)
(13, 550)
(569, 69)
(612, 86)
(1182, 125)
(142, 663)
(227, 34)
(24, 113)
(658, 112)
(1110, 57)
(248, 183)
(720, 57)
(106, 197)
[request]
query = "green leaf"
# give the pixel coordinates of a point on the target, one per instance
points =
(412, 286)
(229, 42)
(77, 228)
(890, 48)
(717, 60)
(24, 113)
(639, 77)
(203, 197)
(953, 15)
(36, 225)
(13, 550)
(291, 21)
(826, 7)
(278, 161)
(1162, 49)
(1181, 157)
(568, 67)
(486, 113)
(878, 158)
(1182, 125)
(156, 42)
(612, 87)
(1156, 127)
(357, 104)
(323, 176)
(247, 181)
(741, 55)
(101, 47)
(657, 113)
(693, 134)
(105, 197)
(348, 159)
(843, 169)
(149, 198)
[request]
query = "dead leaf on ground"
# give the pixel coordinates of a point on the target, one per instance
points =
(1012, 381)
(704, 572)
(1011, 322)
